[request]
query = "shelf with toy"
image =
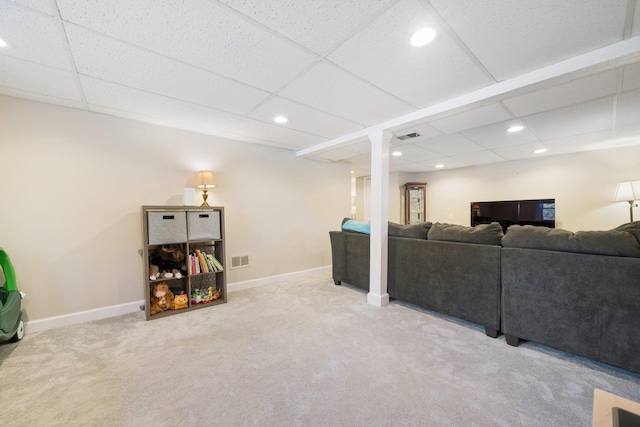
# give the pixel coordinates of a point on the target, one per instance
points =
(167, 262)
(182, 252)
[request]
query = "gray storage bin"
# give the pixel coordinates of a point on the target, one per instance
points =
(203, 225)
(167, 227)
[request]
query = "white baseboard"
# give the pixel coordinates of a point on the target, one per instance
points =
(131, 307)
(82, 316)
(237, 286)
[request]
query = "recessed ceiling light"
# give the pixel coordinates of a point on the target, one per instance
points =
(5, 44)
(280, 119)
(539, 151)
(423, 36)
(397, 153)
(515, 128)
(440, 166)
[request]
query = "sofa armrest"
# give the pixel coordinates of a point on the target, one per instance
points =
(584, 304)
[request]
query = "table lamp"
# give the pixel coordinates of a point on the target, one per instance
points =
(206, 179)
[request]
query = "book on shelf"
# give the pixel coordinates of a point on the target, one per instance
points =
(202, 262)
(217, 264)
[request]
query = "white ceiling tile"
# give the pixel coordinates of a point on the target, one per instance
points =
(399, 162)
(628, 110)
(413, 153)
(576, 91)
(511, 38)
(199, 32)
(631, 79)
(479, 158)
(481, 116)
(46, 6)
(331, 89)
(360, 147)
(278, 134)
(413, 168)
(496, 135)
(381, 54)
(450, 145)
(111, 60)
(447, 162)
(25, 76)
(335, 155)
(303, 118)
(117, 97)
(303, 20)
(592, 116)
(525, 151)
(577, 143)
(35, 37)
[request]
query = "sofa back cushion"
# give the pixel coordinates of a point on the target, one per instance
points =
(484, 234)
(414, 231)
(613, 242)
(630, 227)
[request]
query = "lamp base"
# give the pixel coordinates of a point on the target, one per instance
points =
(205, 196)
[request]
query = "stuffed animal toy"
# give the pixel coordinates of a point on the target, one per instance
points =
(161, 298)
(167, 262)
(154, 272)
(181, 301)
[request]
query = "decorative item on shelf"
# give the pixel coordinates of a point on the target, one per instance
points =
(180, 301)
(206, 180)
(167, 262)
(161, 298)
(189, 196)
(628, 191)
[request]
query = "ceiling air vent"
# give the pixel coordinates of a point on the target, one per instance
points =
(409, 136)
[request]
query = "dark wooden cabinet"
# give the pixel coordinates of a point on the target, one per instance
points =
(415, 210)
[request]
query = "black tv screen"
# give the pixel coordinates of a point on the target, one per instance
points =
(541, 212)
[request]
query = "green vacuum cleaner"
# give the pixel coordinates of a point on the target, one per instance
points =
(11, 325)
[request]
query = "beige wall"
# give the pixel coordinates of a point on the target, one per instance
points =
(583, 185)
(72, 183)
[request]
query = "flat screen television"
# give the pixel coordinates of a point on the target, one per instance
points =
(541, 212)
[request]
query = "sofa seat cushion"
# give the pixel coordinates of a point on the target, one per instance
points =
(612, 243)
(484, 234)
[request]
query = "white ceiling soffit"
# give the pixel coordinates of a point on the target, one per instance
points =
(568, 71)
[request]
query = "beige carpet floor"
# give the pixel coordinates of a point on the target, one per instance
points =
(299, 353)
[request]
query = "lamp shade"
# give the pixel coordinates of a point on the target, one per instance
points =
(206, 179)
(627, 191)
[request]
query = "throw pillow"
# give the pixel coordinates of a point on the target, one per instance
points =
(356, 226)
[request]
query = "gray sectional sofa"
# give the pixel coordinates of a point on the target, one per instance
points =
(455, 271)
(577, 292)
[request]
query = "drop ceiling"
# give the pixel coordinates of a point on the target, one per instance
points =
(339, 68)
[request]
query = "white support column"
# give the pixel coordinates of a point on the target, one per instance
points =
(378, 295)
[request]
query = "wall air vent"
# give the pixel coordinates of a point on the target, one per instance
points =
(240, 261)
(409, 136)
